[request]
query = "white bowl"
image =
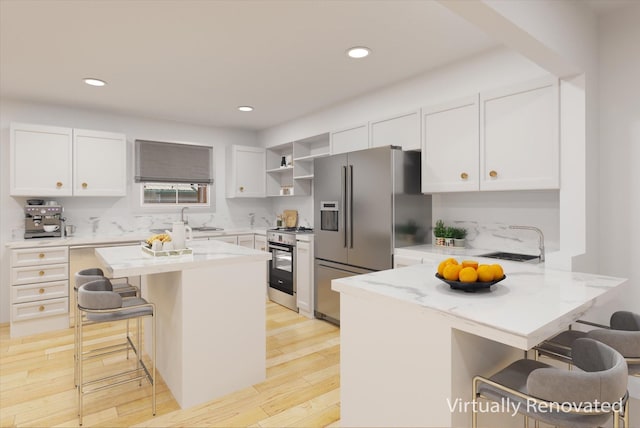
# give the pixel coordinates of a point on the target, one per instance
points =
(50, 227)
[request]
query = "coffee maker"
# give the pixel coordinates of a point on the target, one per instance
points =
(42, 220)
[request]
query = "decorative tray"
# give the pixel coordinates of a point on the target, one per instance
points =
(469, 286)
(165, 253)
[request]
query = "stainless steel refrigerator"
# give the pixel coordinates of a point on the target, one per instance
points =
(366, 204)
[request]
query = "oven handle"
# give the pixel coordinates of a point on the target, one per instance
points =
(278, 247)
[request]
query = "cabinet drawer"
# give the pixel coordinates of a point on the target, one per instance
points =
(39, 256)
(41, 291)
(40, 309)
(45, 273)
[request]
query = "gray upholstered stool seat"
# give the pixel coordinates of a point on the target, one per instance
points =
(542, 389)
(99, 303)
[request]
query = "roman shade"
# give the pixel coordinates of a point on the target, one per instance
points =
(160, 162)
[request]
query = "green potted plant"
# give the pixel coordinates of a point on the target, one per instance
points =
(438, 232)
(448, 236)
(459, 235)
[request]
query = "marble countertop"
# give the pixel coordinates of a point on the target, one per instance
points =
(132, 261)
(531, 304)
(91, 240)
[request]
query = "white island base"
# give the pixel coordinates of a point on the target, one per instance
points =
(211, 329)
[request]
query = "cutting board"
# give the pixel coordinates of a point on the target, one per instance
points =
(290, 218)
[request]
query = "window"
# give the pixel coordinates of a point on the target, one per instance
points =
(174, 173)
(175, 194)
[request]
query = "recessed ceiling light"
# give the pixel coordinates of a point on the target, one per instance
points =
(245, 108)
(358, 52)
(94, 82)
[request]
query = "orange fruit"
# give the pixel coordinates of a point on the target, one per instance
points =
(468, 274)
(497, 271)
(485, 273)
(451, 272)
(444, 264)
(470, 263)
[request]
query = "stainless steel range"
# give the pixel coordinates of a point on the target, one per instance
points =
(282, 267)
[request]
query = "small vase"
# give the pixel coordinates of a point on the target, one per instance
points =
(459, 242)
(448, 242)
(440, 241)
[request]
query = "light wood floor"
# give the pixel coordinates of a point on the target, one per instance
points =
(302, 387)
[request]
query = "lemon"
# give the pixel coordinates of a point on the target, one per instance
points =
(485, 273)
(452, 271)
(444, 264)
(468, 274)
(470, 263)
(498, 273)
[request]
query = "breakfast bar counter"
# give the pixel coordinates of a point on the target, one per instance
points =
(210, 305)
(410, 345)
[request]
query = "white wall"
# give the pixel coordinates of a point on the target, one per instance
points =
(619, 152)
(115, 216)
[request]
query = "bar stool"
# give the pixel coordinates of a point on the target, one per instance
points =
(585, 398)
(100, 303)
(120, 286)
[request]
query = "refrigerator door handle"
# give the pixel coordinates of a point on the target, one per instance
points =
(350, 206)
(344, 205)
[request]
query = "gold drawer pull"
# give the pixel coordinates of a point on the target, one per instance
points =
(41, 291)
(242, 188)
(41, 255)
(41, 308)
(493, 174)
(59, 184)
(464, 175)
(84, 185)
(41, 273)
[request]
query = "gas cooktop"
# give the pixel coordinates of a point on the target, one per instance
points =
(299, 229)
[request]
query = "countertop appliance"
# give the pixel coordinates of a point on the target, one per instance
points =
(282, 267)
(366, 203)
(37, 216)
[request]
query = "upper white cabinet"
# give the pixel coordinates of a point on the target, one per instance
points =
(245, 172)
(350, 139)
(505, 139)
(55, 161)
(519, 137)
(450, 146)
(99, 163)
(400, 130)
(41, 159)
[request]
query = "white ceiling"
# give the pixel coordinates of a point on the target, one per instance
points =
(196, 61)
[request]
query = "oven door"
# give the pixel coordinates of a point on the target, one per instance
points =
(281, 267)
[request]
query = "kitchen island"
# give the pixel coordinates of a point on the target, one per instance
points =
(410, 345)
(210, 306)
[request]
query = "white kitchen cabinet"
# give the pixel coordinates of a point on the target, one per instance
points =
(399, 130)
(233, 239)
(39, 290)
(350, 139)
(246, 241)
(450, 146)
(304, 278)
(99, 163)
(402, 261)
(260, 242)
(54, 161)
(519, 137)
(41, 159)
(245, 172)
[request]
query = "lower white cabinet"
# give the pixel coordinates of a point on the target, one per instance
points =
(245, 241)
(304, 278)
(230, 239)
(260, 242)
(39, 295)
(402, 261)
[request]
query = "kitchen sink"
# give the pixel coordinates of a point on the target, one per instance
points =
(206, 229)
(510, 256)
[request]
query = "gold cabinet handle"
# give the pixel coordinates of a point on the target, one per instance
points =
(464, 175)
(59, 184)
(41, 291)
(493, 174)
(41, 255)
(242, 188)
(41, 308)
(41, 273)
(84, 185)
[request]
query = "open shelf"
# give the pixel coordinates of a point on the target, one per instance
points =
(281, 169)
(303, 177)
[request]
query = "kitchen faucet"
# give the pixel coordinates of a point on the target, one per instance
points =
(540, 236)
(182, 215)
